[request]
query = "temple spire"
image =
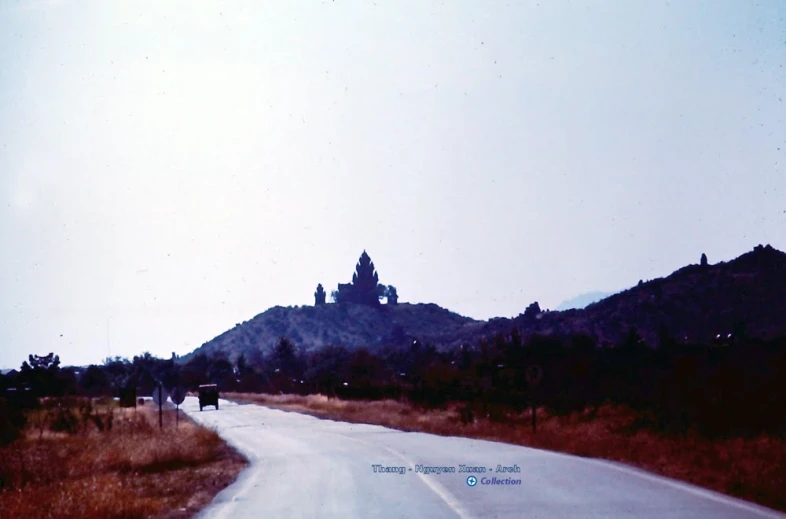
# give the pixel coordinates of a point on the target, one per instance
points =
(319, 295)
(365, 287)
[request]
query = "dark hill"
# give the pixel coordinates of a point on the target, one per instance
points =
(694, 304)
(348, 324)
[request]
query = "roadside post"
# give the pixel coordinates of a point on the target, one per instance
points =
(178, 395)
(534, 374)
(159, 397)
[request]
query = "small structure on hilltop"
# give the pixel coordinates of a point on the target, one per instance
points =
(392, 295)
(365, 287)
(703, 260)
(319, 295)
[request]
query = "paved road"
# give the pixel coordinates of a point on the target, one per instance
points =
(303, 467)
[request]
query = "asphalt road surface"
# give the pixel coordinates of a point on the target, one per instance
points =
(304, 467)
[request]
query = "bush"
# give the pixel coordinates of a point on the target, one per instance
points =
(64, 419)
(466, 414)
(12, 421)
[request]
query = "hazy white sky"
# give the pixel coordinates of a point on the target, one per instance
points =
(171, 168)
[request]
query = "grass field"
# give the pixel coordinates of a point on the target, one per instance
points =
(749, 468)
(116, 463)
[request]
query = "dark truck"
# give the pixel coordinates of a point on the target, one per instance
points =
(208, 395)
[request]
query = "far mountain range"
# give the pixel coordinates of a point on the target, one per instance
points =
(583, 301)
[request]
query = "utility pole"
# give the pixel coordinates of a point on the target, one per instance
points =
(108, 342)
(534, 375)
(534, 413)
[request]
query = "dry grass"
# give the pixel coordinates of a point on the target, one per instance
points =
(133, 470)
(752, 469)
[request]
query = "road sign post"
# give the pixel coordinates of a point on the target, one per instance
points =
(159, 397)
(534, 415)
(534, 374)
(178, 395)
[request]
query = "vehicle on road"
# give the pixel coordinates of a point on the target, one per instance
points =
(208, 395)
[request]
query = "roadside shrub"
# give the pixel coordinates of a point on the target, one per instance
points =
(104, 421)
(466, 414)
(12, 421)
(64, 419)
(85, 410)
(133, 471)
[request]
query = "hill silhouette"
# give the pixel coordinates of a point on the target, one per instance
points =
(347, 324)
(697, 303)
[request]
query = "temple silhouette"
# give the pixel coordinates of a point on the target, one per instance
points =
(365, 288)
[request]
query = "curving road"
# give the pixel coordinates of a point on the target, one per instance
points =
(304, 467)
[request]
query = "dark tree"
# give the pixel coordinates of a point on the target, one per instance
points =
(532, 310)
(284, 371)
(95, 381)
(241, 365)
(703, 260)
(196, 371)
(632, 339)
(665, 340)
(221, 372)
(148, 371)
(392, 295)
(326, 369)
(247, 378)
(41, 373)
(47, 362)
(366, 374)
(12, 421)
(284, 358)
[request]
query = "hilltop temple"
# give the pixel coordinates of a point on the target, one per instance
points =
(365, 288)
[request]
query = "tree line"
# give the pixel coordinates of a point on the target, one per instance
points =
(733, 386)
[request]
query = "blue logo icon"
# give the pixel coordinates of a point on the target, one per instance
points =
(472, 481)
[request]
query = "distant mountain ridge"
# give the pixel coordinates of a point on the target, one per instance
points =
(695, 303)
(582, 301)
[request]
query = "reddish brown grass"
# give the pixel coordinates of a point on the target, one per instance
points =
(752, 469)
(133, 470)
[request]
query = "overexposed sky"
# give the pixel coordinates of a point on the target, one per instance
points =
(170, 168)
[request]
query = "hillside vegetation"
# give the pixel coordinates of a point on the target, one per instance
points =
(79, 458)
(697, 303)
(352, 325)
